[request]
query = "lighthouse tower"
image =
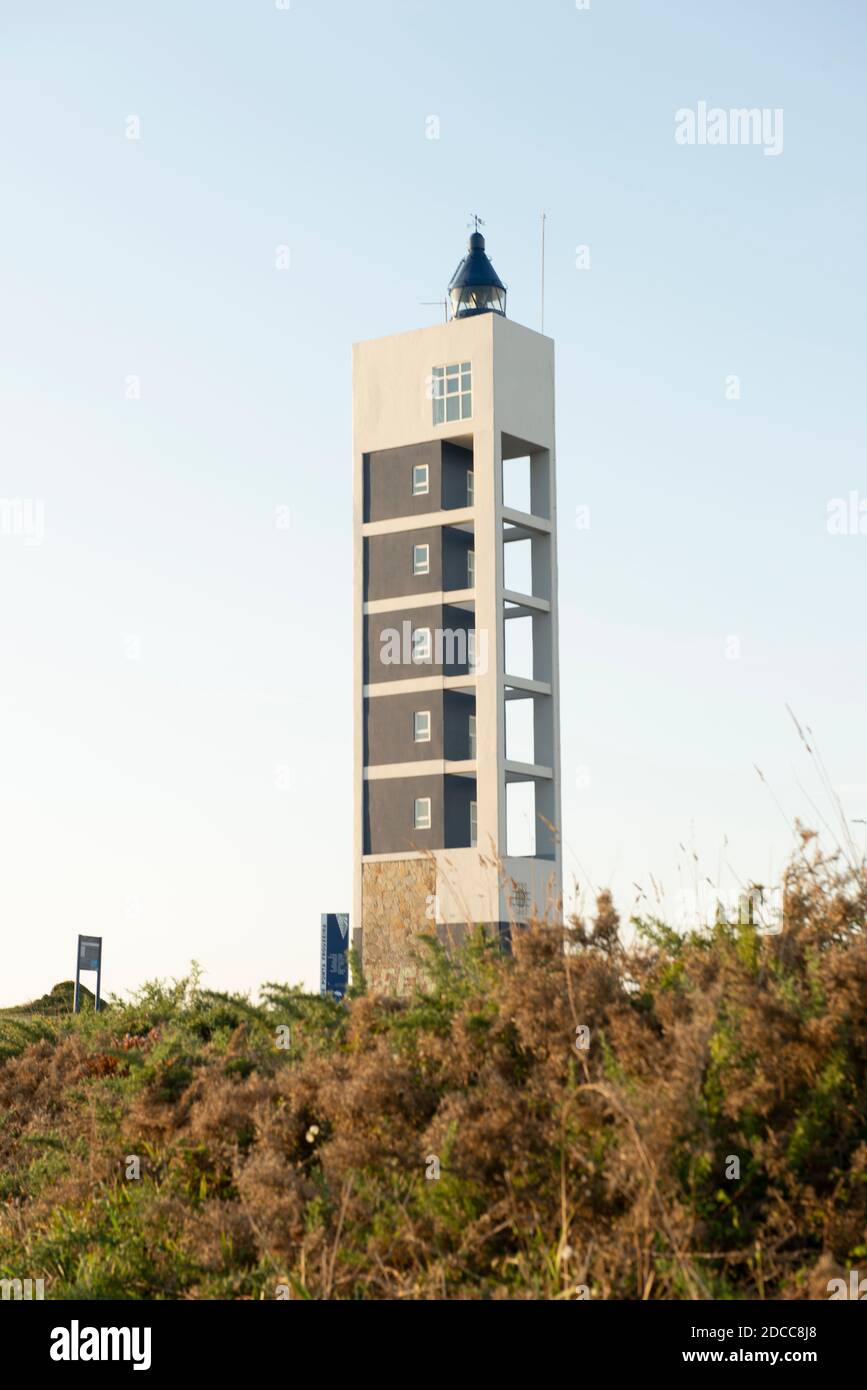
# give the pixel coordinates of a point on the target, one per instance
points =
(457, 756)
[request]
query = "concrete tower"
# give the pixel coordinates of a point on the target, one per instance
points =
(457, 743)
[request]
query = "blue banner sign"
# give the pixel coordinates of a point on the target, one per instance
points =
(334, 959)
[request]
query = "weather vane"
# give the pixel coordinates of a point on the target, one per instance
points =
(476, 220)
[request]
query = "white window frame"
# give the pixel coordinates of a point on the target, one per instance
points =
(421, 819)
(472, 737)
(460, 374)
(471, 487)
(421, 565)
(416, 736)
(426, 644)
(471, 569)
(417, 489)
(474, 824)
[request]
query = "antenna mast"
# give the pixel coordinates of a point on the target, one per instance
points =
(542, 311)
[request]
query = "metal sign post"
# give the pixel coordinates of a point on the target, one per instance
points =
(89, 957)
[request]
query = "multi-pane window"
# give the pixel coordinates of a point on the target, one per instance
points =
(421, 559)
(421, 726)
(421, 644)
(474, 824)
(421, 817)
(452, 392)
(471, 488)
(471, 569)
(472, 736)
(420, 479)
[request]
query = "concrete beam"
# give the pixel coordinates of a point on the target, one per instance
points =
(453, 517)
(527, 772)
(538, 524)
(524, 601)
(456, 597)
(434, 767)
(418, 685)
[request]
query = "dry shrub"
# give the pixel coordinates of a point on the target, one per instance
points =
(462, 1143)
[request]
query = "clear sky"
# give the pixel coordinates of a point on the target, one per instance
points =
(175, 713)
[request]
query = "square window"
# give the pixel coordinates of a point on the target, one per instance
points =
(421, 726)
(452, 392)
(421, 559)
(421, 816)
(420, 480)
(421, 645)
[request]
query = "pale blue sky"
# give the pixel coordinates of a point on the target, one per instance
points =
(161, 663)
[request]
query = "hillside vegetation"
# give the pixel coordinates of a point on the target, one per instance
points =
(685, 1118)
